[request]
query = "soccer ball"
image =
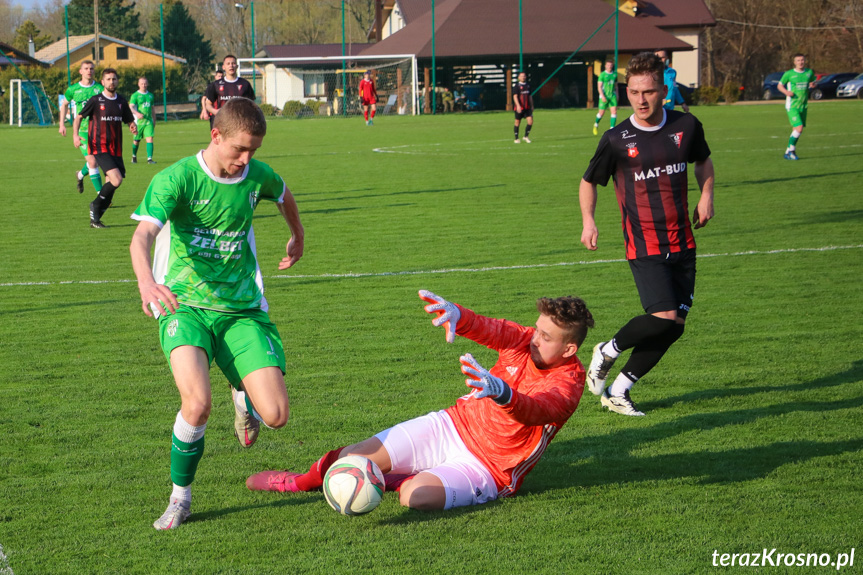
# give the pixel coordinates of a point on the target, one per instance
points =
(353, 485)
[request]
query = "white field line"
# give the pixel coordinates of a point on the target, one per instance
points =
(349, 275)
(4, 564)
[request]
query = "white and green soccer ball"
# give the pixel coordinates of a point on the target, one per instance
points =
(353, 485)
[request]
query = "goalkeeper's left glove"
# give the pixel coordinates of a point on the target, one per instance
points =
(485, 384)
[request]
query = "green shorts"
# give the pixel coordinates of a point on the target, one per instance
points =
(83, 147)
(240, 342)
(145, 129)
(797, 117)
(610, 102)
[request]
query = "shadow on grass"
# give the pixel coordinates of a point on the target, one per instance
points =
(216, 513)
(388, 194)
(806, 176)
(62, 305)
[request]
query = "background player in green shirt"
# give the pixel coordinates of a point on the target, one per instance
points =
(141, 103)
(795, 84)
(75, 98)
(206, 287)
(607, 95)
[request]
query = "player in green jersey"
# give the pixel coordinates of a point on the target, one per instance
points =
(607, 95)
(206, 287)
(795, 84)
(141, 103)
(74, 99)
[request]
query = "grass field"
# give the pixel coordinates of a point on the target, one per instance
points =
(753, 433)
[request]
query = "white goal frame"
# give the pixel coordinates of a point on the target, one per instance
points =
(252, 64)
(17, 82)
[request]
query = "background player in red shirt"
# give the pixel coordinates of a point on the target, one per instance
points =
(523, 101)
(108, 112)
(368, 97)
(482, 447)
(648, 155)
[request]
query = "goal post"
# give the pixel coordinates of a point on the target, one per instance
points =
(28, 104)
(328, 85)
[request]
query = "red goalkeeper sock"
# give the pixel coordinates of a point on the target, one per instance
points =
(373, 114)
(366, 114)
(314, 477)
(395, 481)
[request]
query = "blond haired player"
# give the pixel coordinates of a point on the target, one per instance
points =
(482, 447)
(206, 287)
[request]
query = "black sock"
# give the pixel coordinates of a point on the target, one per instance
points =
(646, 355)
(641, 329)
(103, 200)
(527, 130)
(515, 129)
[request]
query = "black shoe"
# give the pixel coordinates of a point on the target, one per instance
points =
(151, 161)
(97, 224)
(134, 159)
(80, 185)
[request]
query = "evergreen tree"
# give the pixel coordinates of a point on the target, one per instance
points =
(182, 38)
(28, 30)
(117, 18)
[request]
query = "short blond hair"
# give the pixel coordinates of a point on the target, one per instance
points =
(240, 115)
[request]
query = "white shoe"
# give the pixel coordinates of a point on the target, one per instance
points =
(517, 141)
(246, 427)
(176, 513)
(597, 372)
(526, 140)
(622, 405)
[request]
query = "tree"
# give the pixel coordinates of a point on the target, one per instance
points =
(116, 18)
(183, 39)
(28, 30)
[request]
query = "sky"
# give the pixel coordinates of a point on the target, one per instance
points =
(26, 4)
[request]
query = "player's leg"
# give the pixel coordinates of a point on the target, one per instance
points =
(796, 118)
(115, 171)
(136, 143)
(603, 104)
(149, 140)
(516, 126)
(366, 113)
(374, 108)
(529, 126)
(613, 118)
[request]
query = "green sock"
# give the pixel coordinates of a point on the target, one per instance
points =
(184, 460)
(97, 181)
(85, 170)
(135, 144)
(792, 142)
(613, 120)
(149, 150)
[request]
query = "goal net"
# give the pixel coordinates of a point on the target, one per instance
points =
(28, 104)
(329, 86)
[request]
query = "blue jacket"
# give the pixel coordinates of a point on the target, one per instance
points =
(674, 96)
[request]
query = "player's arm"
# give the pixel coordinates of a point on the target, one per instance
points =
(600, 86)
(289, 211)
(704, 175)
(76, 125)
(64, 109)
(515, 101)
(129, 118)
(587, 200)
(210, 96)
(151, 292)
(134, 108)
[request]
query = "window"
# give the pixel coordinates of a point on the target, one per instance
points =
(122, 53)
(313, 86)
(101, 52)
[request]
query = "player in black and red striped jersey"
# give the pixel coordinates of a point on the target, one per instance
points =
(648, 157)
(227, 88)
(523, 103)
(107, 112)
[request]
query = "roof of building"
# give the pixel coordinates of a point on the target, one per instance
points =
(18, 57)
(309, 50)
(488, 28)
(677, 14)
(57, 50)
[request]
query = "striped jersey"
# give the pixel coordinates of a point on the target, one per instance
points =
(649, 167)
(77, 95)
(510, 439)
(205, 252)
(522, 92)
(220, 91)
(107, 116)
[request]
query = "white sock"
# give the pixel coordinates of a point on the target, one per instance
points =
(186, 432)
(621, 385)
(80, 176)
(610, 349)
(243, 405)
(184, 494)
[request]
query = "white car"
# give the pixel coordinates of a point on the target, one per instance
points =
(851, 88)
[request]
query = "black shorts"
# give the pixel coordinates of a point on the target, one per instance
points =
(108, 162)
(665, 282)
(525, 113)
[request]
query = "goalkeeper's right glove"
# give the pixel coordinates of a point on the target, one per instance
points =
(447, 313)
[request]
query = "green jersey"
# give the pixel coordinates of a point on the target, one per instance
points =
(77, 95)
(144, 104)
(608, 80)
(797, 83)
(205, 252)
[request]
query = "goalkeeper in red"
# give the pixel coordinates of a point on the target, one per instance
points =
(368, 97)
(482, 447)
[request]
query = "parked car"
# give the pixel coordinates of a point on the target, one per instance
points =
(826, 86)
(851, 88)
(769, 89)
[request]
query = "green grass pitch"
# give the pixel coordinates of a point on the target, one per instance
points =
(754, 430)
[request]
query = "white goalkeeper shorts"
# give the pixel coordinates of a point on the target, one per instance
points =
(431, 443)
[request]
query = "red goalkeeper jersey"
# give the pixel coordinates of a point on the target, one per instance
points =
(367, 91)
(510, 439)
